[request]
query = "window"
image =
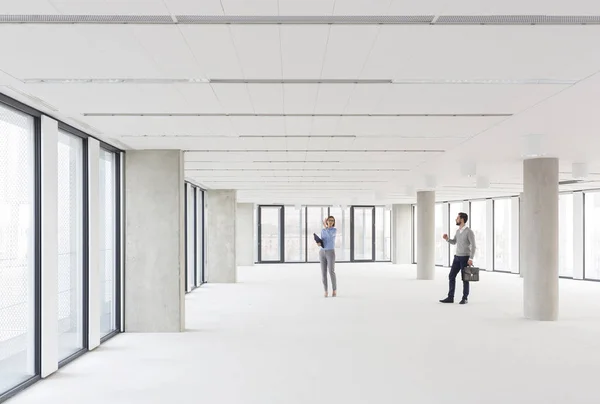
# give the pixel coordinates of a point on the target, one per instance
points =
(441, 246)
(190, 215)
(592, 235)
(108, 251)
(199, 237)
(17, 252)
(414, 235)
(363, 233)
(383, 239)
(455, 209)
(502, 234)
(342, 239)
(315, 216)
(478, 223)
(70, 245)
(295, 236)
(270, 233)
(565, 235)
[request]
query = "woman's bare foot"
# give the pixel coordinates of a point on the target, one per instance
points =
(334, 294)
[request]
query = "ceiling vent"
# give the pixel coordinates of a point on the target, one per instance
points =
(517, 20)
(350, 20)
(87, 19)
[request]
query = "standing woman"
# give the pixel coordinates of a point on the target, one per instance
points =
(327, 254)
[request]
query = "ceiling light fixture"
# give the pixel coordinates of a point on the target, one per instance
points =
(296, 136)
(116, 81)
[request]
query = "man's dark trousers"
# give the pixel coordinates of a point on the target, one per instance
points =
(457, 266)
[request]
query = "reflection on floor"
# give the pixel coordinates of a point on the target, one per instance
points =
(273, 338)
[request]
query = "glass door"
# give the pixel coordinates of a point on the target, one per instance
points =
(270, 229)
(362, 236)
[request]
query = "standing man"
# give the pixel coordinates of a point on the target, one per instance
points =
(465, 251)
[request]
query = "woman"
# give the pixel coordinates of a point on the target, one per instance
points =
(327, 254)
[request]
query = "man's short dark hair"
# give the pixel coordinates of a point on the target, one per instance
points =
(464, 216)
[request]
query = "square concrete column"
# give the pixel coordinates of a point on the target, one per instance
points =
(155, 234)
(244, 233)
(221, 261)
(540, 229)
(402, 234)
(426, 235)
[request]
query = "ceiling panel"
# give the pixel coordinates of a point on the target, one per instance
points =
(303, 50)
(259, 125)
(200, 97)
(365, 98)
(160, 125)
(361, 7)
(194, 7)
(467, 99)
(214, 50)
(68, 51)
(114, 7)
(167, 47)
(306, 7)
(324, 125)
(300, 98)
(258, 49)
(245, 7)
(267, 98)
(388, 54)
(347, 50)
(234, 98)
(416, 126)
(360, 143)
(298, 125)
(332, 98)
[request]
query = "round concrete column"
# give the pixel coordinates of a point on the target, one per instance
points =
(540, 229)
(426, 235)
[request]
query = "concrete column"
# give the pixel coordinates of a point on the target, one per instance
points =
(244, 234)
(540, 227)
(155, 259)
(426, 235)
(221, 262)
(402, 234)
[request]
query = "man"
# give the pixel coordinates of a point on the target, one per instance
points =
(465, 251)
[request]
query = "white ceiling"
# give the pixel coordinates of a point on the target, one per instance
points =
(321, 143)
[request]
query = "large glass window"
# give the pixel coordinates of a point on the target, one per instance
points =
(190, 213)
(478, 223)
(455, 209)
(199, 237)
(502, 234)
(565, 235)
(270, 233)
(441, 246)
(383, 237)
(315, 216)
(108, 251)
(17, 273)
(295, 236)
(342, 240)
(70, 244)
(592, 235)
(363, 233)
(414, 233)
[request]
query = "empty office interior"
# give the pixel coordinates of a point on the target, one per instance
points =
(165, 165)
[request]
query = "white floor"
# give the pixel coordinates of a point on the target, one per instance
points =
(273, 338)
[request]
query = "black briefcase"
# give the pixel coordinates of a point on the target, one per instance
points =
(470, 274)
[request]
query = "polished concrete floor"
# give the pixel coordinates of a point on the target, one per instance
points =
(273, 338)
